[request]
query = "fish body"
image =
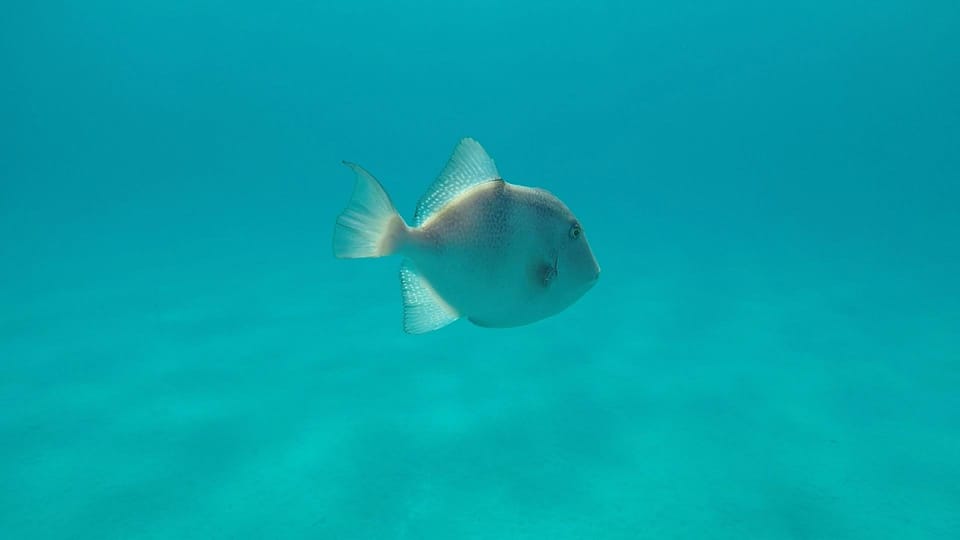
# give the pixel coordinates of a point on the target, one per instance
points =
(480, 248)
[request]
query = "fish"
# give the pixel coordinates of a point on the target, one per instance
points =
(497, 254)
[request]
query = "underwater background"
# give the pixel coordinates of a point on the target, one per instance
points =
(771, 190)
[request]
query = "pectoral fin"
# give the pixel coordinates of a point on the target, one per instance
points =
(545, 272)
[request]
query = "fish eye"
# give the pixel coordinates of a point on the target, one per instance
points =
(575, 231)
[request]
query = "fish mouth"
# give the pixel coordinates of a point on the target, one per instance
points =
(593, 280)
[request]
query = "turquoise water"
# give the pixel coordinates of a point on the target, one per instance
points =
(771, 352)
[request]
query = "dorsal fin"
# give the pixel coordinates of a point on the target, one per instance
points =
(468, 166)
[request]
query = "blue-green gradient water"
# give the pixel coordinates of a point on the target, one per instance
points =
(771, 189)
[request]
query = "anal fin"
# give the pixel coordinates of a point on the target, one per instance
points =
(423, 309)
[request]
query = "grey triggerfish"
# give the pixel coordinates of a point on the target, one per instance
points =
(495, 253)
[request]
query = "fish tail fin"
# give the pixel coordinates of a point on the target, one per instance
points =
(370, 225)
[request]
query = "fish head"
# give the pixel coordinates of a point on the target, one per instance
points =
(575, 269)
